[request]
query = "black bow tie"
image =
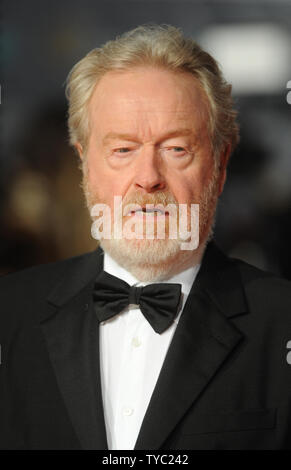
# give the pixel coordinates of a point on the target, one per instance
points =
(158, 302)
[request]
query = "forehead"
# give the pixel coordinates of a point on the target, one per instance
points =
(154, 95)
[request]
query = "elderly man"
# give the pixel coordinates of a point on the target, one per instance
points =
(149, 342)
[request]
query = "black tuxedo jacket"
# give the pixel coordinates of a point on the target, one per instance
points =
(225, 382)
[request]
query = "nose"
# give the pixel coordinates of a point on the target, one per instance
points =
(148, 171)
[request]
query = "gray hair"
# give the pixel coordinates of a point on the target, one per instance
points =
(162, 46)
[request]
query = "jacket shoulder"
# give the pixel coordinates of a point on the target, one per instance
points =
(39, 275)
(265, 289)
(24, 291)
(251, 274)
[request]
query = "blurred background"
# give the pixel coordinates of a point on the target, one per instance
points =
(42, 211)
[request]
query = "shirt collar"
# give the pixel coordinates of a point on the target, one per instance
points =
(185, 278)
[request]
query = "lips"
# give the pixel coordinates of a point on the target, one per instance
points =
(144, 211)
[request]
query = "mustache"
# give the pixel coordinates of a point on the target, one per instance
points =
(158, 198)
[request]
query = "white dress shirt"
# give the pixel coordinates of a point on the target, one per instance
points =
(131, 358)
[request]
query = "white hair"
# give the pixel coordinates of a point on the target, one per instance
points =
(161, 46)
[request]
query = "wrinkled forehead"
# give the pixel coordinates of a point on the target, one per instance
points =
(148, 94)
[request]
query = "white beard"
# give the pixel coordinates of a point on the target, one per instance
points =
(159, 259)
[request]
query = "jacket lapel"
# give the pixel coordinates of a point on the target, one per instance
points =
(202, 342)
(71, 332)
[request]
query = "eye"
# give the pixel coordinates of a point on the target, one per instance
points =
(122, 150)
(178, 149)
(175, 151)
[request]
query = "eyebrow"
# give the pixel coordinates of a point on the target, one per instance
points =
(132, 138)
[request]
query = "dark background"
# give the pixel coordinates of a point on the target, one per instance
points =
(42, 211)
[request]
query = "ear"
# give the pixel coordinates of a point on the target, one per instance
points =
(224, 157)
(79, 149)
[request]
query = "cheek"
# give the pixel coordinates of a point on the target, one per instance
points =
(188, 187)
(97, 171)
(96, 180)
(103, 184)
(198, 178)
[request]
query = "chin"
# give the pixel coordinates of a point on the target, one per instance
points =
(147, 260)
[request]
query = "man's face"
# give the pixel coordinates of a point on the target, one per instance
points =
(149, 144)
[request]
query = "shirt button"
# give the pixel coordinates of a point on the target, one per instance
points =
(127, 411)
(135, 342)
